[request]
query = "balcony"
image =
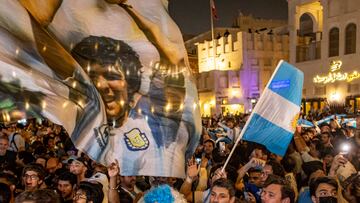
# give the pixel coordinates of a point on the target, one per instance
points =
(308, 51)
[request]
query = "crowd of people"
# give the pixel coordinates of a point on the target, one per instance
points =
(39, 163)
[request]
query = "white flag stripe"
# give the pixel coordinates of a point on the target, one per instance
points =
(277, 110)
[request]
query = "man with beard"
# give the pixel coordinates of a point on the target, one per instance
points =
(127, 190)
(66, 186)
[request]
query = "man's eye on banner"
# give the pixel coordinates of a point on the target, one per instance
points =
(114, 75)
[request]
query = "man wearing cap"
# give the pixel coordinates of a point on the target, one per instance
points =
(78, 167)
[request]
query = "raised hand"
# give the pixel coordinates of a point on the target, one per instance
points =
(114, 169)
(192, 169)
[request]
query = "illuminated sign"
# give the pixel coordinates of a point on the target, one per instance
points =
(336, 75)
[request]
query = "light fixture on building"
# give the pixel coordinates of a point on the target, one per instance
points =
(335, 97)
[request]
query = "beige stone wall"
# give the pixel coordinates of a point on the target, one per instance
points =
(334, 13)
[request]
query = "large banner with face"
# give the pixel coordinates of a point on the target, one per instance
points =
(115, 75)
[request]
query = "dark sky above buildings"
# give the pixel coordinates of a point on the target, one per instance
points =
(193, 16)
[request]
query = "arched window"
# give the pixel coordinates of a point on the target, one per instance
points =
(350, 39)
(334, 42)
(306, 25)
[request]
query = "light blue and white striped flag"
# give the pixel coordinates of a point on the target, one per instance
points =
(274, 118)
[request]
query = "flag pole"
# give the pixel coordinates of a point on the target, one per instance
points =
(211, 3)
(247, 122)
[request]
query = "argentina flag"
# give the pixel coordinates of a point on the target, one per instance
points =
(274, 118)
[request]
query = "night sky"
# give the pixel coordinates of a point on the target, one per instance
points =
(193, 16)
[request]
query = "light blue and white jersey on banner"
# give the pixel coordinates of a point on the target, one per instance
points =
(275, 116)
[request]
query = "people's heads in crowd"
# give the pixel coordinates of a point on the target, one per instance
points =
(78, 166)
(315, 147)
(313, 169)
(259, 152)
(128, 181)
(255, 177)
(41, 160)
(351, 187)
(327, 154)
(66, 185)
(4, 145)
(323, 189)
(325, 138)
(222, 191)
(49, 141)
(88, 192)
(33, 176)
(230, 122)
(272, 167)
(37, 196)
(5, 193)
(333, 124)
(325, 128)
(277, 190)
(53, 164)
(209, 146)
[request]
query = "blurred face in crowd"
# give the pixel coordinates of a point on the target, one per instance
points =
(328, 159)
(4, 145)
(255, 178)
(65, 189)
(230, 124)
(51, 143)
(31, 180)
(272, 194)
(333, 124)
(220, 195)
(208, 148)
(313, 151)
(324, 190)
(266, 171)
(128, 181)
(80, 197)
(77, 167)
(324, 138)
(41, 161)
(325, 129)
(52, 165)
(258, 153)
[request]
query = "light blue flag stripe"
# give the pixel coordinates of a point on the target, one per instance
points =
(305, 123)
(275, 138)
(287, 83)
(269, 125)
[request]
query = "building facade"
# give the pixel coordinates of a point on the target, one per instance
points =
(324, 44)
(232, 81)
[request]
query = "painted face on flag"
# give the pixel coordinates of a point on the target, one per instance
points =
(114, 68)
(112, 87)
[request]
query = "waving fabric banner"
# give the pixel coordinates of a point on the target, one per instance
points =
(274, 119)
(115, 76)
